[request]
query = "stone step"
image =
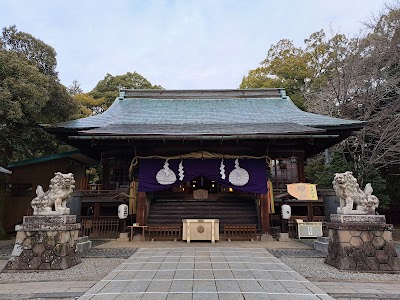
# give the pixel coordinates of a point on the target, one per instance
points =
(321, 245)
(83, 244)
(323, 239)
(82, 239)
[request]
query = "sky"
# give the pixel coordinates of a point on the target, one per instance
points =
(187, 44)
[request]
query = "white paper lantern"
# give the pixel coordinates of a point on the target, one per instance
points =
(286, 211)
(123, 211)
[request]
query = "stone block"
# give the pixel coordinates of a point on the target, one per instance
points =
(359, 255)
(347, 263)
(387, 235)
(381, 256)
(367, 236)
(283, 237)
(40, 237)
(82, 239)
(344, 236)
(390, 249)
(50, 219)
(45, 266)
(384, 267)
(345, 249)
(35, 263)
(38, 249)
(356, 242)
(358, 219)
(83, 246)
(369, 249)
(26, 256)
(372, 263)
(266, 238)
(378, 242)
(20, 237)
(28, 243)
(48, 256)
(321, 246)
(51, 242)
(394, 263)
(61, 249)
(18, 249)
(361, 266)
(355, 233)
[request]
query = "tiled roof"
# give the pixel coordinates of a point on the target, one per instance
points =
(191, 109)
(202, 129)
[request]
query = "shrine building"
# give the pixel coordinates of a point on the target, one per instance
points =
(200, 154)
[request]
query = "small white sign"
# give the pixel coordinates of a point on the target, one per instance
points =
(310, 230)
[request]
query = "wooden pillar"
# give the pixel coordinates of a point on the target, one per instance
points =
(300, 161)
(264, 212)
(141, 208)
(105, 182)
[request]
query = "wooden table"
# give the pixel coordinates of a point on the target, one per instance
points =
(135, 227)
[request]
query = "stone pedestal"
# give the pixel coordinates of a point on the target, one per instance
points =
(45, 243)
(361, 243)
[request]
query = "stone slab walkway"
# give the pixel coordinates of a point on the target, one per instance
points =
(202, 273)
(362, 290)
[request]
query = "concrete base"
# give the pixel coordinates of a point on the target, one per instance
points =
(45, 243)
(137, 237)
(266, 238)
(123, 237)
(283, 237)
(362, 247)
(321, 244)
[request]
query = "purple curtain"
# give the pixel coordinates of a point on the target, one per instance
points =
(209, 168)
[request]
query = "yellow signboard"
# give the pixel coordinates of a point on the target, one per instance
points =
(303, 191)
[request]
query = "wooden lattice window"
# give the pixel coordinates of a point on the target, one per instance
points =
(284, 171)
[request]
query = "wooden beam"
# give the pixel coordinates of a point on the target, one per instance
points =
(264, 212)
(141, 208)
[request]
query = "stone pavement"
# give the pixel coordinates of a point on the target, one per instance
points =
(53, 289)
(361, 290)
(223, 270)
(204, 273)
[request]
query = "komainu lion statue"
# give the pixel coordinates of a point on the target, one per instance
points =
(60, 188)
(350, 194)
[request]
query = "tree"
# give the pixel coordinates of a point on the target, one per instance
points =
(88, 106)
(30, 94)
(285, 66)
(362, 81)
(356, 78)
(75, 88)
(34, 50)
(108, 87)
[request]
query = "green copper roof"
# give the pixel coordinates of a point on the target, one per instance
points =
(263, 106)
(75, 154)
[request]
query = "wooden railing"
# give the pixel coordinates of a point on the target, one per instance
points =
(100, 228)
(240, 232)
(165, 232)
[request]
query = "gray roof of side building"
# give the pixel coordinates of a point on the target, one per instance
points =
(155, 110)
(5, 171)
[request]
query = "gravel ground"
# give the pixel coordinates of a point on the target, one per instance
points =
(315, 269)
(89, 269)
